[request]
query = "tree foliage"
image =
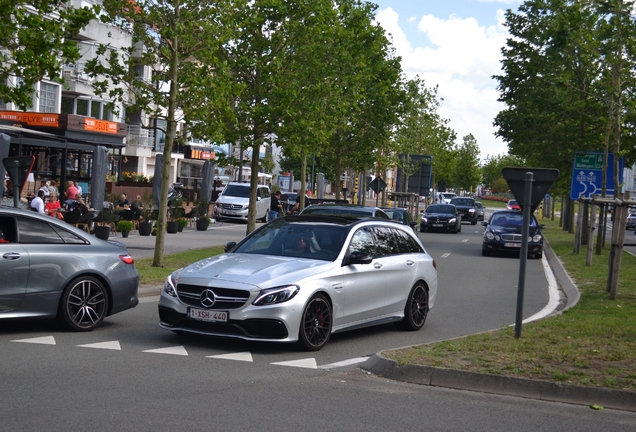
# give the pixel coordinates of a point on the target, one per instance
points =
(36, 38)
(466, 173)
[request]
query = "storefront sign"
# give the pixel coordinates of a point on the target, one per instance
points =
(94, 125)
(31, 118)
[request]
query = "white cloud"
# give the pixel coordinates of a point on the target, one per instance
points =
(461, 56)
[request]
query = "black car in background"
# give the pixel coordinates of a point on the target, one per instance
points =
(480, 210)
(401, 215)
(442, 217)
(503, 234)
(466, 206)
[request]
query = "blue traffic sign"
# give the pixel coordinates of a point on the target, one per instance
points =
(587, 175)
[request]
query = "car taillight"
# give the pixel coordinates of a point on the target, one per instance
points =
(127, 259)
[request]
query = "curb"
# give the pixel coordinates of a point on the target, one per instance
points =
(149, 290)
(501, 385)
(506, 385)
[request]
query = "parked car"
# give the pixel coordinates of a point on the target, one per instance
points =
(480, 210)
(401, 215)
(631, 221)
(503, 233)
(445, 197)
(351, 211)
(234, 202)
(513, 205)
(466, 206)
(300, 279)
(52, 269)
(442, 217)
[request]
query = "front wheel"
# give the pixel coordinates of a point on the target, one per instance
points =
(84, 304)
(315, 327)
(416, 308)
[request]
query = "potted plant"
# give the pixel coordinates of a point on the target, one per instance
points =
(182, 223)
(107, 218)
(148, 215)
(176, 211)
(124, 226)
(202, 207)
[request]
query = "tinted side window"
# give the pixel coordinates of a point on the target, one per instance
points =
(387, 243)
(265, 193)
(407, 243)
(35, 231)
(362, 241)
(69, 237)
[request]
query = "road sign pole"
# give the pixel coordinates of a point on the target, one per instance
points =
(523, 257)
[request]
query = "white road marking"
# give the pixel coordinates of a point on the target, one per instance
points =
(45, 340)
(344, 363)
(242, 356)
(309, 363)
(464, 241)
(112, 345)
(553, 292)
(445, 255)
(178, 350)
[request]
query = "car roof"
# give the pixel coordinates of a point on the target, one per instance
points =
(337, 220)
(341, 209)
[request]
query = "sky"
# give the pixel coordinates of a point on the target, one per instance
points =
(455, 45)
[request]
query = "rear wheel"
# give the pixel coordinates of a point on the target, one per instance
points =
(315, 327)
(416, 308)
(84, 304)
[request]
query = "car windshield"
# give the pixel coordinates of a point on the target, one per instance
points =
(304, 239)
(462, 201)
(448, 195)
(237, 191)
(512, 202)
(347, 212)
(440, 209)
(510, 219)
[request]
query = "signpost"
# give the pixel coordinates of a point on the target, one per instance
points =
(587, 175)
(529, 186)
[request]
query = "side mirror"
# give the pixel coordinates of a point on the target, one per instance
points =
(484, 223)
(358, 257)
(229, 246)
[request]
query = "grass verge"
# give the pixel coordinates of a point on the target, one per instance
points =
(592, 344)
(149, 275)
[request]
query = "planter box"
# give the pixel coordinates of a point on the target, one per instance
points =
(172, 227)
(145, 228)
(102, 232)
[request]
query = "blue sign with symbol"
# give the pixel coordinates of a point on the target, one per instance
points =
(587, 174)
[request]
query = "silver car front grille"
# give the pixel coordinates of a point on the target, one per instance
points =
(231, 206)
(225, 298)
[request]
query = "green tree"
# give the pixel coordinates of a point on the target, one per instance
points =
(466, 174)
(491, 169)
(36, 38)
(174, 39)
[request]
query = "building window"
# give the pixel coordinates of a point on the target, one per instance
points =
(96, 110)
(48, 97)
(68, 105)
(82, 107)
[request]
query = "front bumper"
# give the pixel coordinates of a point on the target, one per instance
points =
(499, 246)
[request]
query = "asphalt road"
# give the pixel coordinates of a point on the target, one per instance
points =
(131, 375)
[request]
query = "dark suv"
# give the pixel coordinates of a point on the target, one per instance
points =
(466, 206)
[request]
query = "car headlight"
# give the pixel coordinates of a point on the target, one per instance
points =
(276, 295)
(490, 235)
(453, 220)
(245, 207)
(536, 238)
(170, 286)
(425, 220)
(471, 210)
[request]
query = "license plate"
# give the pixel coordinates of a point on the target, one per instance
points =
(438, 225)
(513, 245)
(207, 315)
(229, 212)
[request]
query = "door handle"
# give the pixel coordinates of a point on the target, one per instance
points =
(377, 265)
(11, 256)
(410, 262)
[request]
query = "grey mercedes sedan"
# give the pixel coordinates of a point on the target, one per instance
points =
(49, 268)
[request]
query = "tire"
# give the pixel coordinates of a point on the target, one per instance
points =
(484, 252)
(265, 218)
(455, 231)
(416, 309)
(316, 323)
(84, 304)
(473, 222)
(460, 228)
(423, 230)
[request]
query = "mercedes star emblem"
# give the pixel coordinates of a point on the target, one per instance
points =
(208, 298)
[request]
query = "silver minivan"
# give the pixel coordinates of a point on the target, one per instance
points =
(234, 202)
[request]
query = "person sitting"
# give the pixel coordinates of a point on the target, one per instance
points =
(71, 190)
(302, 245)
(37, 203)
(53, 207)
(137, 204)
(123, 202)
(45, 188)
